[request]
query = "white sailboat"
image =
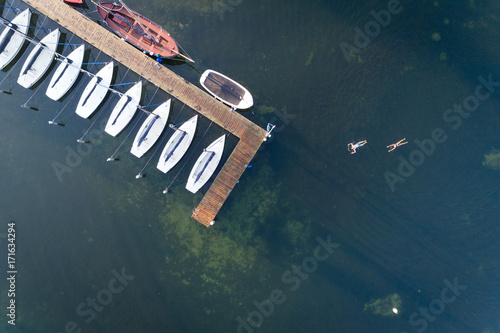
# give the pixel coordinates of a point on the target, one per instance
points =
(39, 60)
(206, 164)
(151, 129)
(124, 110)
(13, 36)
(95, 91)
(177, 145)
(66, 74)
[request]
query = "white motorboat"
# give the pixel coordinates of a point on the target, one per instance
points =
(124, 110)
(13, 36)
(206, 165)
(177, 145)
(66, 74)
(226, 90)
(151, 129)
(39, 60)
(95, 91)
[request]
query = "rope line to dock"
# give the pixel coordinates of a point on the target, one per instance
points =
(69, 101)
(114, 156)
(24, 105)
(9, 7)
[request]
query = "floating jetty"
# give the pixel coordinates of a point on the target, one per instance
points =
(250, 135)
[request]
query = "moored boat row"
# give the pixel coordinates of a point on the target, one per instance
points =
(65, 76)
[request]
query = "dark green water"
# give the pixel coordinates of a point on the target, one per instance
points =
(399, 244)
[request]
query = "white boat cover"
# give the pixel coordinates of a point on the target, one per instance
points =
(13, 36)
(177, 145)
(124, 110)
(95, 91)
(39, 60)
(206, 165)
(151, 129)
(66, 74)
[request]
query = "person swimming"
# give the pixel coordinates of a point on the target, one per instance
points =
(397, 144)
(353, 146)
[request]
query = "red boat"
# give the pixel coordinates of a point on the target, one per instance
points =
(140, 31)
(74, 1)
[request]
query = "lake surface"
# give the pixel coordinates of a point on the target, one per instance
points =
(312, 239)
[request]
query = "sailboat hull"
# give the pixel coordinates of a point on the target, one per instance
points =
(12, 38)
(177, 145)
(151, 130)
(95, 91)
(206, 165)
(39, 60)
(66, 74)
(124, 110)
(138, 30)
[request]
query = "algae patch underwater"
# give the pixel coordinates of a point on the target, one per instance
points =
(385, 306)
(492, 160)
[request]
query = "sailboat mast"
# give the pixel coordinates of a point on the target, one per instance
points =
(136, 19)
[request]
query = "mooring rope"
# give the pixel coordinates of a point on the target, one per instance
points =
(30, 26)
(95, 59)
(95, 63)
(39, 98)
(71, 115)
(9, 7)
(114, 156)
(122, 84)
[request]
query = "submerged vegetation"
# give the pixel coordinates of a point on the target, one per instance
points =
(492, 160)
(385, 306)
(222, 259)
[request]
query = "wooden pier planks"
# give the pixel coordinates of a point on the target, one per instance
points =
(227, 178)
(251, 136)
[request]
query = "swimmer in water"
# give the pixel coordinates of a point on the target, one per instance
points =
(397, 144)
(353, 146)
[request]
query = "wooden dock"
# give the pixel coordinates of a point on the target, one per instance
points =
(251, 136)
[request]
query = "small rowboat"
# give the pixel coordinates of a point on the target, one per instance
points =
(12, 37)
(139, 31)
(39, 60)
(66, 74)
(226, 90)
(151, 129)
(206, 164)
(178, 145)
(124, 110)
(96, 90)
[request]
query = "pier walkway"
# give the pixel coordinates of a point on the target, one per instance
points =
(251, 136)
